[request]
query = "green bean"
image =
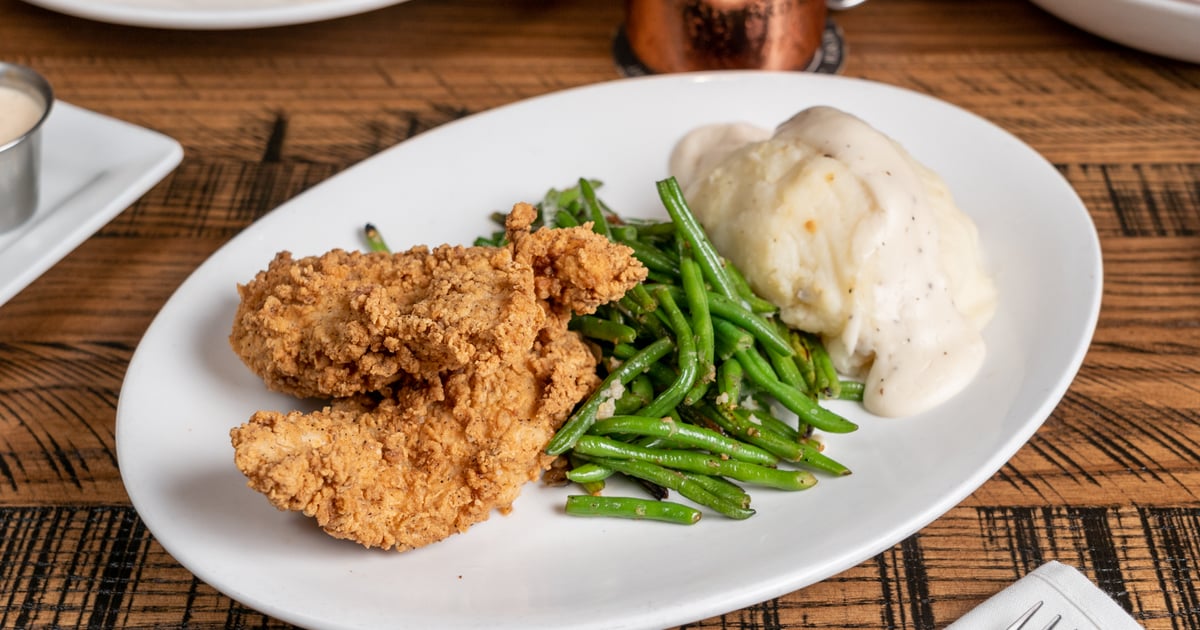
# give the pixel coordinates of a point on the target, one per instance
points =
(761, 421)
(689, 461)
(729, 383)
(487, 242)
(627, 507)
(642, 387)
(594, 212)
(685, 435)
(804, 361)
(583, 417)
(551, 203)
(657, 374)
(642, 319)
(786, 369)
(654, 260)
(814, 458)
(589, 473)
(501, 219)
(762, 329)
(564, 218)
(621, 233)
(825, 379)
(756, 303)
(571, 196)
(677, 481)
(624, 351)
(830, 384)
(851, 390)
(686, 359)
(730, 339)
(602, 329)
(697, 300)
(659, 277)
(661, 375)
(640, 296)
(655, 229)
(593, 488)
(652, 257)
(629, 402)
(374, 239)
(767, 422)
(722, 488)
(759, 372)
(689, 229)
(742, 424)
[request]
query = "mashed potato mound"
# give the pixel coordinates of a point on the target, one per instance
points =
(854, 240)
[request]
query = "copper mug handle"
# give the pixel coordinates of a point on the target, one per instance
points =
(690, 35)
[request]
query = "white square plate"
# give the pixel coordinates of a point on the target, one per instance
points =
(93, 167)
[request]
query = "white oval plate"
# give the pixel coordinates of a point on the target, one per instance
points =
(211, 14)
(1170, 28)
(537, 568)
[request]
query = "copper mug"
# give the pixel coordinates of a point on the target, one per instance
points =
(688, 35)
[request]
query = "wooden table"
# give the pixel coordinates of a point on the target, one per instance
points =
(1110, 484)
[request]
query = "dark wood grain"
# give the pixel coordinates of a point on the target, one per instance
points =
(1110, 483)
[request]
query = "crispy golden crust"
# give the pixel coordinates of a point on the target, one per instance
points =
(345, 323)
(574, 270)
(427, 462)
(454, 367)
(349, 322)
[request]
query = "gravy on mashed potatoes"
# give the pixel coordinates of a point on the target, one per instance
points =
(854, 240)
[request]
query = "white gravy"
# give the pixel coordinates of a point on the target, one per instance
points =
(895, 315)
(19, 112)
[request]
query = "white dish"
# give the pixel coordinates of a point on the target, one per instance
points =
(93, 167)
(211, 14)
(537, 568)
(1164, 27)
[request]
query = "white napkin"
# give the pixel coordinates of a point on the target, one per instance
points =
(1063, 591)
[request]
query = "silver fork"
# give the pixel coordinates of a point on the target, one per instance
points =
(1019, 624)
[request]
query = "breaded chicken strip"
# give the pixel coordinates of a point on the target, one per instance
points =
(473, 364)
(348, 322)
(427, 462)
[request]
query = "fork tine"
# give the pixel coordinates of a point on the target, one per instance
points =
(1053, 622)
(1024, 618)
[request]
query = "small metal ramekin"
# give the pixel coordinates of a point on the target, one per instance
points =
(20, 157)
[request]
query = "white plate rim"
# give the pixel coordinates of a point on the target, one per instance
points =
(1162, 27)
(77, 199)
(246, 17)
(670, 613)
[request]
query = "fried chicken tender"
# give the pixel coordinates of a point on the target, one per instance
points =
(427, 462)
(453, 368)
(345, 323)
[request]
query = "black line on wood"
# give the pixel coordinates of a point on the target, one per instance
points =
(273, 151)
(887, 614)
(42, 567)
(118, 566)
(917, 581)
(1106, 562)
